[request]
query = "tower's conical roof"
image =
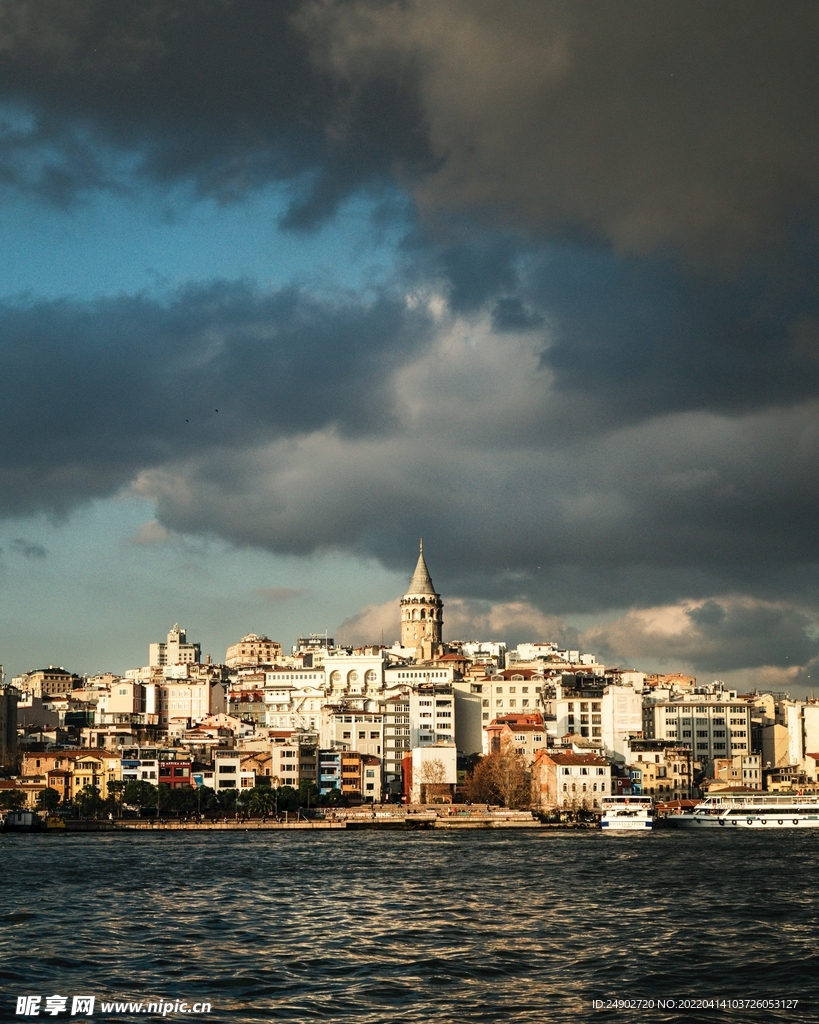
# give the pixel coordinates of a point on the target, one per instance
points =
(421, 582)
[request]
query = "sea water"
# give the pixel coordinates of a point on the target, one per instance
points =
(439, 927)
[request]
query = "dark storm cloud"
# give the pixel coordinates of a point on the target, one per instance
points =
(643, 124)
(602, 389)
(220, 93)
(96, 392)
(643, 337)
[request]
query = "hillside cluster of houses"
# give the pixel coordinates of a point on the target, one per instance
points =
(405, 722)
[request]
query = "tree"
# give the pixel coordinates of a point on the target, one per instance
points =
(47, 799)
(288, 798)
(140, 794)
(163, 798)
(433, 772)
(12, 799)
(116, 789)
(226, 800)
(433, 781)
(182, 800)
(500, 778)
(335, 798)
(261, 800)
(308, 794)
(88, 800)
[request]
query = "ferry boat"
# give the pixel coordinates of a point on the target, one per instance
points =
(752, 810)
(627, 813)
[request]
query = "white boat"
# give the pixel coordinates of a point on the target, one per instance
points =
(627, 813)
(752, 810)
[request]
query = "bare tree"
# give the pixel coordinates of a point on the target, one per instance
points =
(501, 777)
(433, 772)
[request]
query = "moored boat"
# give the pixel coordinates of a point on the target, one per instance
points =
(752, 810)
(627, 813)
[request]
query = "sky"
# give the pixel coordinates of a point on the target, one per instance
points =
(287, 286)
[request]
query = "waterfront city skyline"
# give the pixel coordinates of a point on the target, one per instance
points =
(287, 286)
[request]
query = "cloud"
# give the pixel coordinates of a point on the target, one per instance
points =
(592, 382)
(151, 533)
(521, 492)
(223, 95)
(370, 625)
(512, 621)
(645, 125)
(717, 635)
(276, 595)
(27, 549)
(104, 389)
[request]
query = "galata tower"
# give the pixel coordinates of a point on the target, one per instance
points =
(422, 613)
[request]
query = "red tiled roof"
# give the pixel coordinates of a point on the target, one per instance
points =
(576, 759)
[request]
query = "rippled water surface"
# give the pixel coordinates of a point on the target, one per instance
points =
(433, 927)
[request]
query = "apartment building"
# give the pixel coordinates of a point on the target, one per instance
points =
(709, 726)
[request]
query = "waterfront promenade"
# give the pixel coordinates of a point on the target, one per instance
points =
(341, 820)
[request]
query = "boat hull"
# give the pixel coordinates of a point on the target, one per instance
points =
(764, 821)
(627, 825)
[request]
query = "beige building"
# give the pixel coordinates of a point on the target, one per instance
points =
(661, 769)
(123, 697)
(742, 770)
(181, 701)
(47, 682)
(360, 777)
(253, 650)
(83, 768)
(564, 781)
(525, 734)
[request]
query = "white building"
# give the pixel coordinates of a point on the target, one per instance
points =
(176, 651)
(469, 715)
(228, 772)
(395, 711)
(431, 715)
(513, 691)
(354, 675)
(436, 764)
(351, 729)
(294, 698)
(485, 652)
(609, 716)
(710, 727)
